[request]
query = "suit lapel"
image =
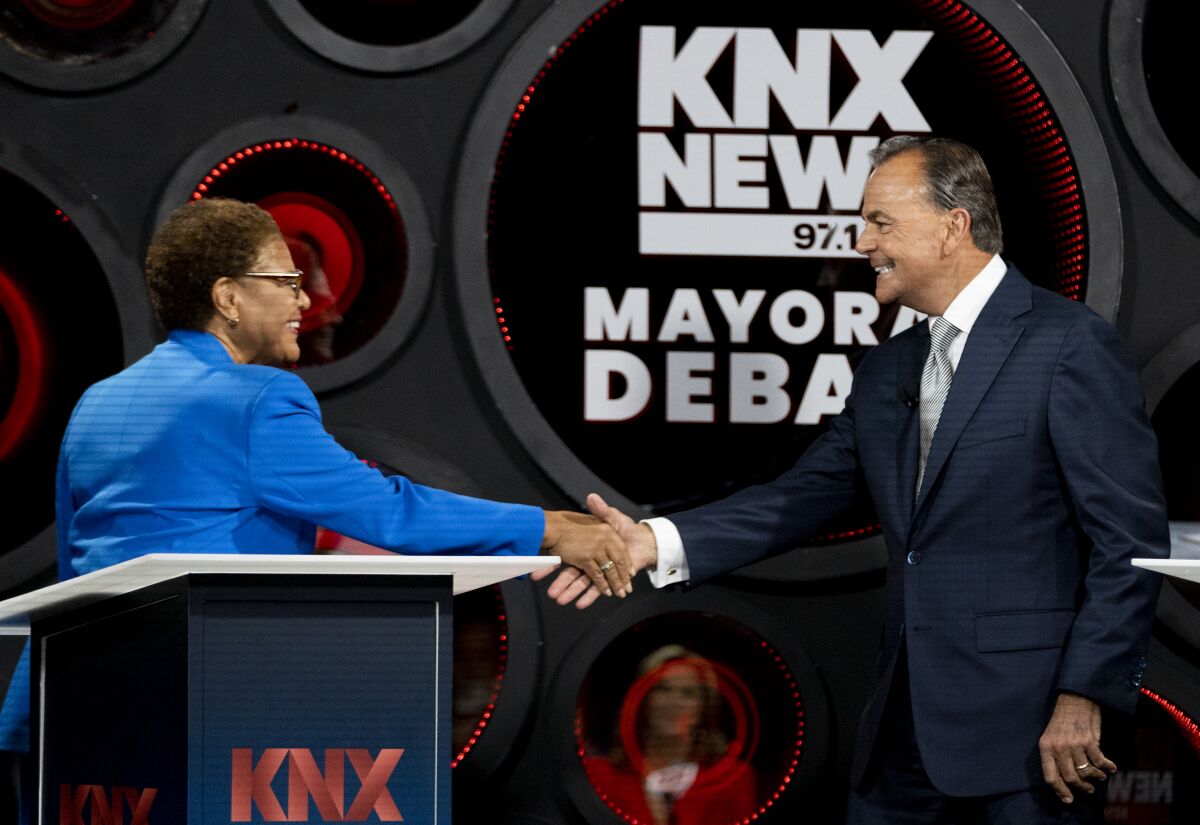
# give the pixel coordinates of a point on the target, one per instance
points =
(910, 362)
(988, 346)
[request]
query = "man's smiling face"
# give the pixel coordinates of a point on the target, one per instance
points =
(905, 233)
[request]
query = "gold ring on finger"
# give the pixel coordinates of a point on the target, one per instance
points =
(1083, 767)
(608, 565)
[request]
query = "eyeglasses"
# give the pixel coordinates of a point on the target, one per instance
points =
(293, 279)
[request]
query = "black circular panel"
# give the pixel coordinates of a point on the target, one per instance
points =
(389, 35)
(691, 716)
(354, 224)
(59, 333)
(480, 664)
(628, 228)
(390, 22)
(1149, 60)
(78, 45)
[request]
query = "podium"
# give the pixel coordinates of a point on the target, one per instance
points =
(1184, 562)
(205, 689)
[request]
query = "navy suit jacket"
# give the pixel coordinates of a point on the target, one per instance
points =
(1009, 579)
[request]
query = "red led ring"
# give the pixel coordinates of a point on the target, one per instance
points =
(77, 14)
(31, 359)
(341, 252)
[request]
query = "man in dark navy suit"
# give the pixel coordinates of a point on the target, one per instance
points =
(1006, 450)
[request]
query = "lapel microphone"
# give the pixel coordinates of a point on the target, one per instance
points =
(909, 395)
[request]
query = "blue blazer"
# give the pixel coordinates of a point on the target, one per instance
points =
(1009, 579)
(187, 452)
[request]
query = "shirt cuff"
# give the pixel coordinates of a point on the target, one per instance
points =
(672, 565)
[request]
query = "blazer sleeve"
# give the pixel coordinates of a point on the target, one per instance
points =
(1108, 454)
(756, 522)
(299, 470)
(64, 500)
(64, 512)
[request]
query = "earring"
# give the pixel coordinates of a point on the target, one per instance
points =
(233, 322)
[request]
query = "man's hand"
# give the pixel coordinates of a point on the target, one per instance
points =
(592, 549)
(1070, 747)
(572, 586)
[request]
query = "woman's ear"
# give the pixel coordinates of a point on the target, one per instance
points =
(225, 299)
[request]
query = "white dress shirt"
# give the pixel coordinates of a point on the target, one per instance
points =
(963, 312)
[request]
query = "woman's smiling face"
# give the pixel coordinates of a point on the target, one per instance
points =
(269, 309)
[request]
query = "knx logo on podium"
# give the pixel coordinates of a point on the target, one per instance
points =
(252, 785)
(104, 806)
(271, 785)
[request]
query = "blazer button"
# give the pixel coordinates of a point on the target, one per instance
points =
(914, 557)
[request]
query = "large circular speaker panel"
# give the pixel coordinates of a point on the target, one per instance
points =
(1150, 62)
(80, 45)
(60, 332)
(389, 35)
(710, 714)
(655, 226)
(354, 224)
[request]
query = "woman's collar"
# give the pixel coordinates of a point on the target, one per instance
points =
(204, 344)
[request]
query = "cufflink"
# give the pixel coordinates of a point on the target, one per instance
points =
(1136, 672)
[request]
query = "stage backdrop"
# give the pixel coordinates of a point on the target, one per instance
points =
(562, 247)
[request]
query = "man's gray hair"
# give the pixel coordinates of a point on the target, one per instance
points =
(957, 179)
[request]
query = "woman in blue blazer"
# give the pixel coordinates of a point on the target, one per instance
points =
(206, 446)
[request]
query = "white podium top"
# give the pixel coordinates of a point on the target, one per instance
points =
(1185, 553)
(1180, 568)
(469, 572)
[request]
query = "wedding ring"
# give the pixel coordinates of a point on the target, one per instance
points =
(1084, 766)
(608, 565)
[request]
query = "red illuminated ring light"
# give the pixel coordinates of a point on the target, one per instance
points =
(341, 247)
(77, 14)
(505, 332)
(31, 362)
(1187, 725)
(290, 144)
(736, 694)
(482, 724)
(728, 682)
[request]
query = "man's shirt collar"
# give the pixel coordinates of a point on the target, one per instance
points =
(965, 308)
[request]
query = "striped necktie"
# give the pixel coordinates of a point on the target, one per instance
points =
(935, 384)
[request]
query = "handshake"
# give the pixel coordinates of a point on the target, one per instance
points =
(600, 553)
